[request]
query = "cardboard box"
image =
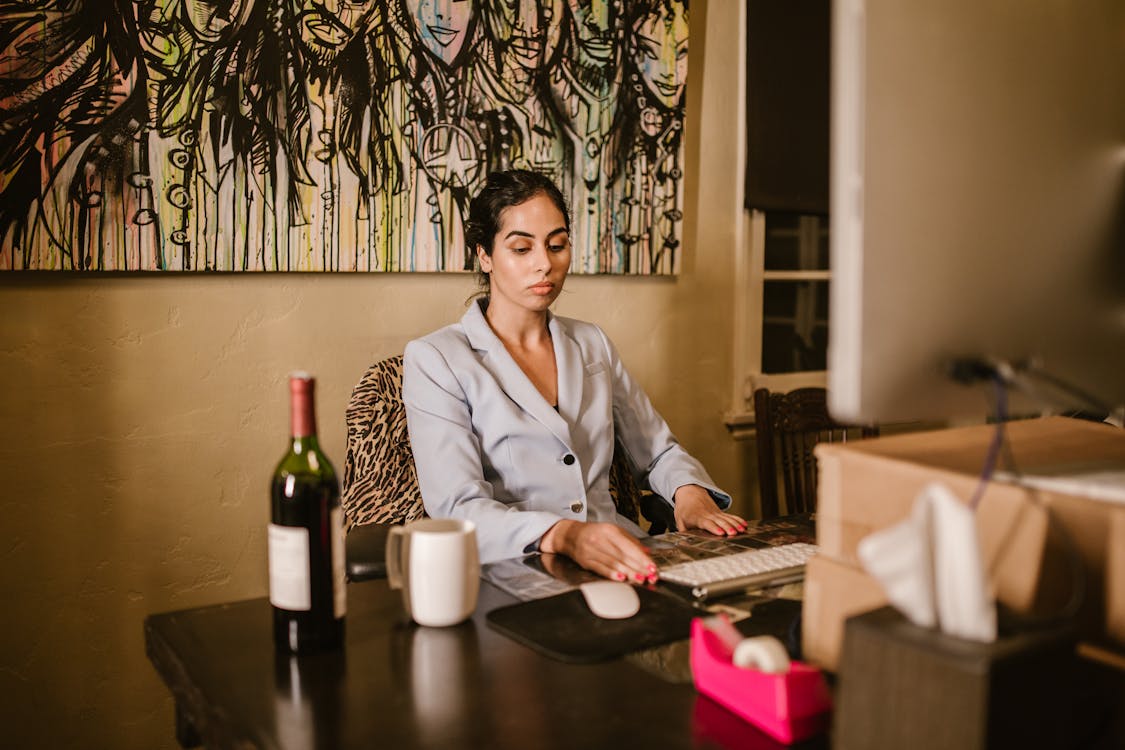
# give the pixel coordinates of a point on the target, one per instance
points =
(1027, 536)
(862, 492)
(834, 591)
(1115, 578)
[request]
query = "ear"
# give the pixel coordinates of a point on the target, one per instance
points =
(485, 261)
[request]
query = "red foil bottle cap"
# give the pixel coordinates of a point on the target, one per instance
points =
(302, 415)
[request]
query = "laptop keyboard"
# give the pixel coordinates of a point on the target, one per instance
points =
(743, 570)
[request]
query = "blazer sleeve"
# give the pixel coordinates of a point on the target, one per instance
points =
(647, 440)
(447, 456)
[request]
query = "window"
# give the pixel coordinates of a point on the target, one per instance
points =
(781, 309)
(782, 274)
(794, 293)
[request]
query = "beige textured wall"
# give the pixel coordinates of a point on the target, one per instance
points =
(144, 416)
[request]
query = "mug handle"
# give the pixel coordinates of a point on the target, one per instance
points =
(394, 556)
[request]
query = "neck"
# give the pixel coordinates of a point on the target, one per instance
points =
(516, 326)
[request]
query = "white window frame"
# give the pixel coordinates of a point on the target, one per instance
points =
(750, 278)
(749, 286)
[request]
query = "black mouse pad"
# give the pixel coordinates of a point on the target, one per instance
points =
(563, 627)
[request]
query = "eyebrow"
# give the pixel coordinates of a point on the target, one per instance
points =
(519, 233)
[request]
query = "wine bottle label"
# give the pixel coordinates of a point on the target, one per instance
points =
(339, 582)
(289, 567)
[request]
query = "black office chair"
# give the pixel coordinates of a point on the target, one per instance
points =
(788, 426)
(380, 486)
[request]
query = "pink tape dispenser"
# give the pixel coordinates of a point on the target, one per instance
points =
(754, 678)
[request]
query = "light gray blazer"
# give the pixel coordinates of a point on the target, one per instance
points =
(489, 448)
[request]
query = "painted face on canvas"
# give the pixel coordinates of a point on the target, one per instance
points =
(660, 50)
(443, 26)
(595, 23)
(327, 27)
(528, 31)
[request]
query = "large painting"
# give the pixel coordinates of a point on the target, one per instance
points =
(296, 135)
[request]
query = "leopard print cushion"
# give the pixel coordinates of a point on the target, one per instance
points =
(622, 486)
(380, 483)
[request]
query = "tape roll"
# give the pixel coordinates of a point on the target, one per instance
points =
(763, 653)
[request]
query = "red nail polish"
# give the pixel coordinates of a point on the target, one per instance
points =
(640, 578)
(652, 578)
(619, 576)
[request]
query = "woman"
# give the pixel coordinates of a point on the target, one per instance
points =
(513, 411)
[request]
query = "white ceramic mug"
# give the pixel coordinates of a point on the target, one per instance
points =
(435, 563)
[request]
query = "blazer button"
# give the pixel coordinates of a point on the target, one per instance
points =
(568, 459)
(576, 506)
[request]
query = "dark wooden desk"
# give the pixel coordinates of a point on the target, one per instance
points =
(397, 685)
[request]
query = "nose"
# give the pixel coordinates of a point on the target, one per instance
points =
(541, 259)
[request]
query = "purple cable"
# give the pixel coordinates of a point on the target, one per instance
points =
(994, 447)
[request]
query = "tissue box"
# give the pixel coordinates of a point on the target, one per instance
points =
(834, 591)
(871, 484)
(902, 686)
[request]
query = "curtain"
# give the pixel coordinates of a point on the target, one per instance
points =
(787, 102)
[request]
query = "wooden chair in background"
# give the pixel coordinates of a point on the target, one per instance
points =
(788, 425)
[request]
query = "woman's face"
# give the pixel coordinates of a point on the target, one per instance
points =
(530, 256)
(660, 48)
(442, 25)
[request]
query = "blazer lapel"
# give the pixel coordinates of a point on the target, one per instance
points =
(571, 368)
(511, 378)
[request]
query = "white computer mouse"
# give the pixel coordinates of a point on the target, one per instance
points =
(611, 600)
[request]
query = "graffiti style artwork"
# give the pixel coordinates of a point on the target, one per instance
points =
(328, 135)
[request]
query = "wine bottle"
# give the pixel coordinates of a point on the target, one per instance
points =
(306, 537)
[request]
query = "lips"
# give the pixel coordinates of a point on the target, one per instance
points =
(668, 89)
(543, 287)
(443, 35)
(526, 47)
(599, 49)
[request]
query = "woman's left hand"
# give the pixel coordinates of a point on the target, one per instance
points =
(696, 509)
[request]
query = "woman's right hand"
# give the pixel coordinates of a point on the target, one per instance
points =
(604, 548)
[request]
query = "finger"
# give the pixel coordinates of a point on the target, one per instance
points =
(613, 553)
(728, 523)
(623, 571)
(633, 558)
(733, 524)
(717, 525)
(607, 566)
(736, 519)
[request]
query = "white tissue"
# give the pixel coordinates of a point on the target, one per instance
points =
(901, 558)
(931, 568)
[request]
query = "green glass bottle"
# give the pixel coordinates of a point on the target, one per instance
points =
(306, 537)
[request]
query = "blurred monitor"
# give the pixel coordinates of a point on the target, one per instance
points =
(977, 155)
